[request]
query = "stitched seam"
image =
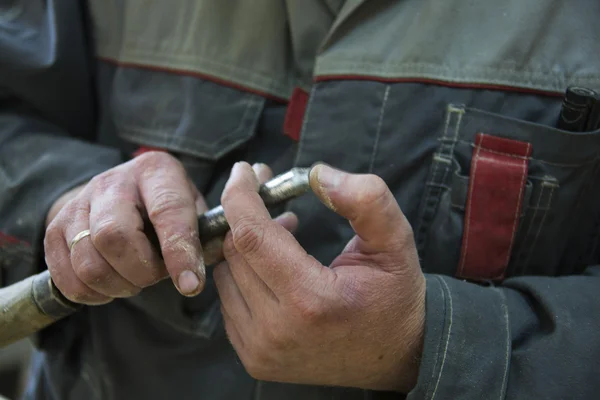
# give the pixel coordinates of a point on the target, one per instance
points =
(532, 247)
(379, 124)
(447, 339)
(84, 374)
(466, 233)
(439, 344)
(533, 72)
(438, 154)
(427, 193)
(507, 154)
(140, 132)
(161, 60)
(460, 113)
(201, 150)
(531, 223)
(518, 209)
(508, 347)
(438, 185)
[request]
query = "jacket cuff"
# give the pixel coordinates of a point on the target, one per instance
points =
(467, 343)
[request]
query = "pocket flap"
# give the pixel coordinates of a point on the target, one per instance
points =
(183, 114)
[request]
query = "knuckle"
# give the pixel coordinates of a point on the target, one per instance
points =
(154, 158)
(75, 294)
(276, 339)
(228, 194)
(145, 277)
(228, 247)
(53, 235)
(248, 235)
(109, 235)
(91, 273)
(166, 202)
(375, 191)
(103, 181)
(219, 272)
(312, 310)
(83, 295)
(408, 230)
(351, 294)
(148, 163)
(181, 242)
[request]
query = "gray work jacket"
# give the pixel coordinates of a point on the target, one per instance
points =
(403, 89)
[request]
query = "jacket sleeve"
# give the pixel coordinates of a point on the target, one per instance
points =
(46, 111)
(532, 337)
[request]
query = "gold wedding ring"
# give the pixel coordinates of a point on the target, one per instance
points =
(78, 237)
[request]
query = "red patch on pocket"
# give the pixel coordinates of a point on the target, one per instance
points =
(497, 181)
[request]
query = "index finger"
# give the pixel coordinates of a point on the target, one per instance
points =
(271, 251)
(171, 208)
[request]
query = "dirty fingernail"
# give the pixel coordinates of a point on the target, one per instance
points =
(324, 178)
(188, 283)
(328, 177)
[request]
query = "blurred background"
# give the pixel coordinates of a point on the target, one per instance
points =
(14, 362)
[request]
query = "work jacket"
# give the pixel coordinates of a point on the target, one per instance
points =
(453, 103)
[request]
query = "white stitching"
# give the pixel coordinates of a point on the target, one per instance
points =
(518, 209)
(437, 349)
(437, 154)
(532, 247)
(507, 155)
(447, 339)
(508, 346)
(437, 157)
(379, 124)
(92, 384)
(468, 216)
(531, 222)
(460, 113)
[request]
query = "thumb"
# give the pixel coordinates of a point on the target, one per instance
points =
(365, 201)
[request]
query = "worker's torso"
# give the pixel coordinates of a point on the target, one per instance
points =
(400, 89)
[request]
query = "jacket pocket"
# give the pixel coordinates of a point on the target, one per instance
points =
(558, 210)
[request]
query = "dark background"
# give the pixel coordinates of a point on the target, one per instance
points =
(13, 367)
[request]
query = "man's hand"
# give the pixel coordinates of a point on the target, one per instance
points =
(358, 323)
(117, 259)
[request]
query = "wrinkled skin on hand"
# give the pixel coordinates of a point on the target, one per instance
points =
(117, 259)
(357, 323)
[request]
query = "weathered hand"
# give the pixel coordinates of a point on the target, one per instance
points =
(358, 323)
(117, 259)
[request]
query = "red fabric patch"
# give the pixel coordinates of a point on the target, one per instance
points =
(7, 240)
(497, 182)
(294, 116)
(144, 149)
